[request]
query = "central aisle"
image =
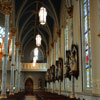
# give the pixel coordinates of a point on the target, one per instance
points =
(30, 98)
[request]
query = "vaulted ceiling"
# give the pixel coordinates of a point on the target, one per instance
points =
(27, 21)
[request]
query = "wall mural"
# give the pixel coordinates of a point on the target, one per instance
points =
(67, 74)
(72, 66)
(53, 73)
(72, 62)
(56, 73)
(60, 69)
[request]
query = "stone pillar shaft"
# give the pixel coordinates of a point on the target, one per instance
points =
(12, 65)
(73, 87)
(19, 73)
(16, 80)
(5, 58)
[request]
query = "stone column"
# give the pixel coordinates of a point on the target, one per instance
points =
(6, 9)
(13, 31)
(19, 71)
(73, 87)
(16, 73)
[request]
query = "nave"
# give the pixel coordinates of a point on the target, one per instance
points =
(30, 98)
(50, 45)
(38, 95)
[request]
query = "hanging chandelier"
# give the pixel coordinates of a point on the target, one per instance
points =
(34, 59)
(34, 64)
(38, 40)
(36, 52)
(42, 15)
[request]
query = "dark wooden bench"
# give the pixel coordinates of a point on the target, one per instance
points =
(52, 96)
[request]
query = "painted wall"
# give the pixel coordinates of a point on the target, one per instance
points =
(35, 76)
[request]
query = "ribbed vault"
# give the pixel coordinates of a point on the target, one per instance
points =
(27, 21)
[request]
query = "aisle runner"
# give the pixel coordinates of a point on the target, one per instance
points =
(30, 98)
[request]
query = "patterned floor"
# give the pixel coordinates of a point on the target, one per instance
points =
(30, 98)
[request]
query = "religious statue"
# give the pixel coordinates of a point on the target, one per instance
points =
(68, 54)
(74, 64)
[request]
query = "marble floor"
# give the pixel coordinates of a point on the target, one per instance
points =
(30, 98)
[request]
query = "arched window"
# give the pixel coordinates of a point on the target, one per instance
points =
(56, 51)
(2, 32)
(66, 47)
(66, 41)
(86, 43)
(52, 57)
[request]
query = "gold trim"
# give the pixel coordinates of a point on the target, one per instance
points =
(3, 96)
(59, 33)
(59, 93)
(16, 70)
(99, 34)
(17, 44)
(20, 52)
(72, 96)
(5, 54)
(11, 93)
(14, 31)
(6, 7)
(12, 64)
(70, 11)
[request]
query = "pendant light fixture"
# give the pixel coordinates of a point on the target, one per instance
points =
(34, 64)
(36, 52)
(38, 40)
(42, 15)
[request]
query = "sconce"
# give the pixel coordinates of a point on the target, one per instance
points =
(69, 7)
(99, 34)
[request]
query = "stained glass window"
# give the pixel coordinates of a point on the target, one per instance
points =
(2, 32)
(51, 57)
(56, 51)
(66, 41)
(87, 42)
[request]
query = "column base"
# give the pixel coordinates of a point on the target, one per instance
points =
(59, 93)
(72, 96)
(3, 96)
(16, 92)
(11, 93)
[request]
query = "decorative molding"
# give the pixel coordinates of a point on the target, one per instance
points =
(14, 31)
(17, 44)
(70, 11)
(59, 32)
(20, 52)
(6, 7)
(5, 54)
(3, 96)
(98, 35)
(52, 44)
(11, 93)
(12, 65)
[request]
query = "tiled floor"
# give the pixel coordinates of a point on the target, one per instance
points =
(30, 98)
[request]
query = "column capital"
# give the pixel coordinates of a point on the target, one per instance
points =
(6, 7)
(20, 52)
(10, 58)
(52, 44)
(17, 44)
(12, 64)
(70, 11)
(22, 57)
(59, 32)
(98, 35)
(14, 31)
(5, 54)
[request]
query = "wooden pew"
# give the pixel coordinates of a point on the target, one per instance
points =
(52, 96)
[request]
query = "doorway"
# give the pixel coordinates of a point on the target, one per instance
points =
(29, 86)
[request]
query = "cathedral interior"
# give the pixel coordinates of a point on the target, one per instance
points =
(49, 49)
